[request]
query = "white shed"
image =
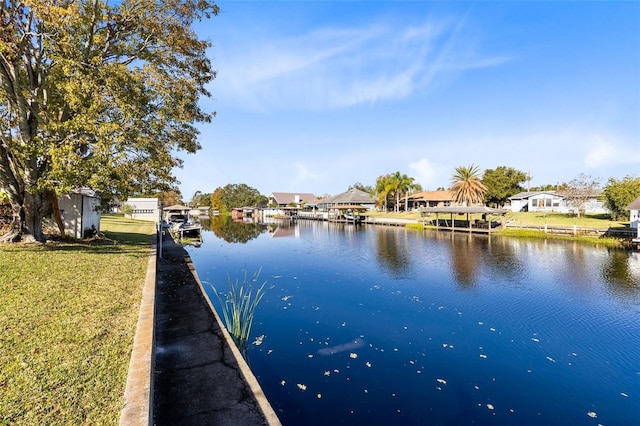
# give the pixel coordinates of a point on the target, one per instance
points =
(80, 212)
(634, 214)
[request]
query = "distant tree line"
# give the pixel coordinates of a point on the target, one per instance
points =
(469, 186)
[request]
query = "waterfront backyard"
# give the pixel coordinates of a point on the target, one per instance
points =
(379, 325)
(69, 311)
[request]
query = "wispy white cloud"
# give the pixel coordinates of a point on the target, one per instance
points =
(427, 173)
(340, 67)
(605, 152)
(304, 172)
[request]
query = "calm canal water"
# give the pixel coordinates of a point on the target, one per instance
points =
(389, 326)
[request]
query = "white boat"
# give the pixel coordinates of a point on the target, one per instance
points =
(186, 228)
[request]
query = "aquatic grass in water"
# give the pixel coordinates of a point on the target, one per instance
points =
(239, 306)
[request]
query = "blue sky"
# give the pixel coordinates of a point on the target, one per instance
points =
(313, 96)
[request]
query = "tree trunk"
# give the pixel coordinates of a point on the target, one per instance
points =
(26, 225)
(56, 213)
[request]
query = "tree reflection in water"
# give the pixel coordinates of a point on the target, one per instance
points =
(466, 253)
(232, 232)
(393, 252)
(619, 271)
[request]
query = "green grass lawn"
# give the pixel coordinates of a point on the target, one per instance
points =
(559, 219)
(601, 222)
(69, 312)
(527, 218)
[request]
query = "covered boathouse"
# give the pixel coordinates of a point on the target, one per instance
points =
(490, 218)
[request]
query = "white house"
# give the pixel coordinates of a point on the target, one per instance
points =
(634, 214)
(552, 201)
(536, 201)
(144, 209)
(80, 212)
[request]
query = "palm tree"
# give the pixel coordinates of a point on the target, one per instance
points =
(466, 187)
(384, 187)
(402, 185)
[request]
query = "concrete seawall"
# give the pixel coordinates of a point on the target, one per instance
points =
(185, 368)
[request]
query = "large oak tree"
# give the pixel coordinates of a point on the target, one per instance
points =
(96, 95)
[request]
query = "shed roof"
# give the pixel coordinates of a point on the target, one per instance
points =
(635, 204)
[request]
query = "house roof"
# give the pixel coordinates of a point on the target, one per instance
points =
(635, 204)
(290, 197)
(432, 196)
(528, 194)
(352, 196)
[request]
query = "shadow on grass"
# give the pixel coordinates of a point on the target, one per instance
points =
(128, 238)
(111, 243)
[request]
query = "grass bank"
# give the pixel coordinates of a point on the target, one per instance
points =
(564, 220)
(69, 312)
(601, 222)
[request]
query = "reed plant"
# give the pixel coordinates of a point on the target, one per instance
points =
(239, 306)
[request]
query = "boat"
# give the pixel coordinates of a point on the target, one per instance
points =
(186, 228)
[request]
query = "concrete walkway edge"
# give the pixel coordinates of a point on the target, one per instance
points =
(138, 396)
(139, 393)
(267, 410)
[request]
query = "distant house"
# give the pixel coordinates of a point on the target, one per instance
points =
(80, 212)
(428, 199)
(552, 201)
(351, 197)
(634, 214)
(284, 199)
(143, 209)
(533, 201)
(242, 213)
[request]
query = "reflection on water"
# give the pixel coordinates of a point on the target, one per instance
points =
(392, 252)
(381, 325)
(620, 272)
(466, 253)
(230, 231)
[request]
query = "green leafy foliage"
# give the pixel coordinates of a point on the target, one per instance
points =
(391, 187)
(502, 183)
(104, 96)
(200, 199)
(618, 194)
(364, 188)
(235, 195)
